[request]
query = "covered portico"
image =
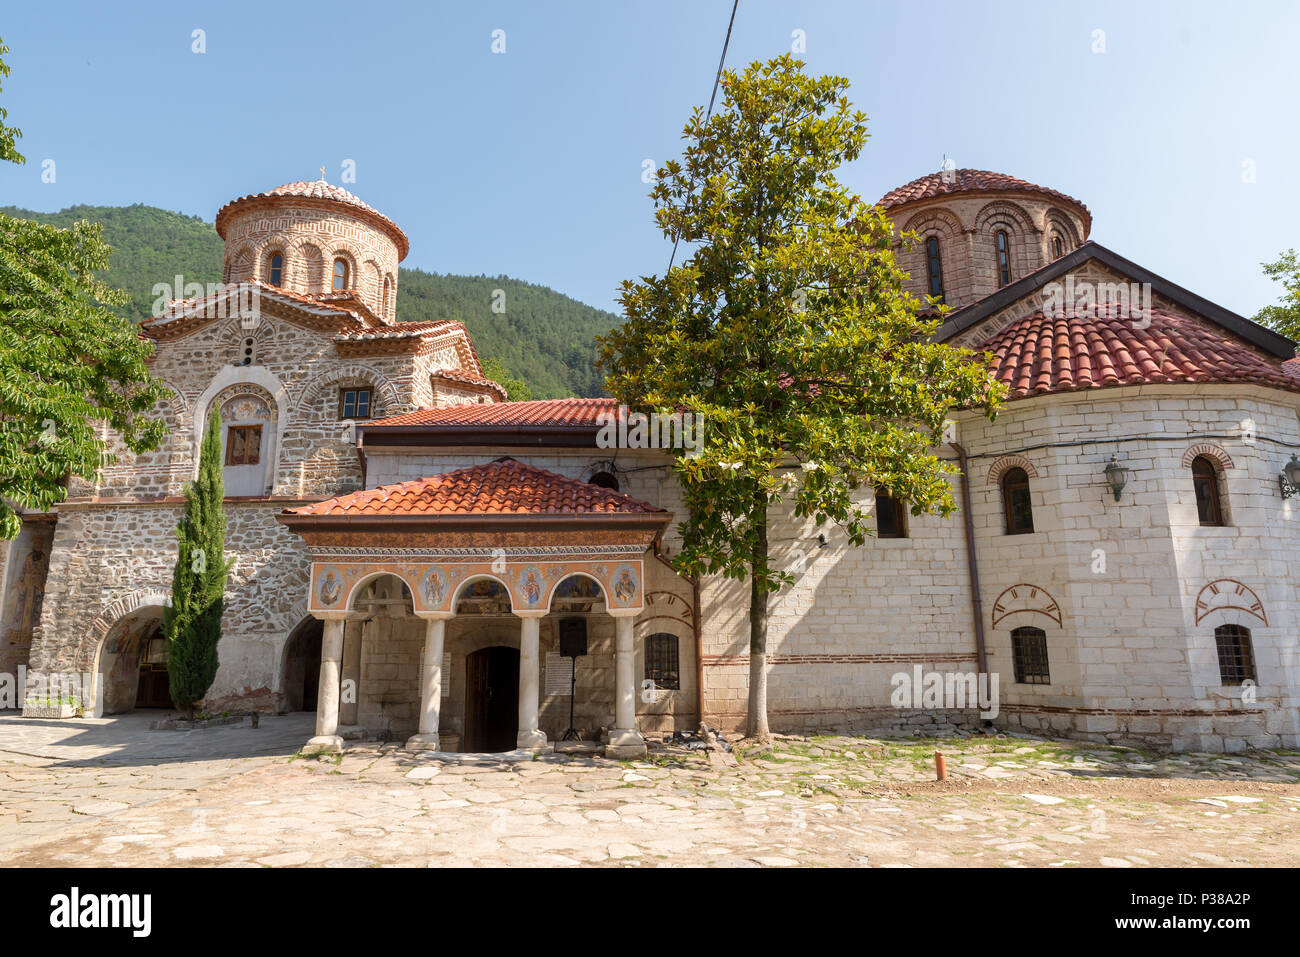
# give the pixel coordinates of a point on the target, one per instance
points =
(511, 532)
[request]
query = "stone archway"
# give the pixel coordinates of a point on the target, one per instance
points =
(300, 667)
(132, 664)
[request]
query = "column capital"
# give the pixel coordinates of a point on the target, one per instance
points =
(623, 612)
(435, 615)
(531, 613)
(338, 615)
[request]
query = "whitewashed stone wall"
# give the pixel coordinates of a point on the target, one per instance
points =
(1113, 584)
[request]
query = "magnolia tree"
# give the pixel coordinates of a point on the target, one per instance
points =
(789, 331)
(1284, 317)
(67, 362)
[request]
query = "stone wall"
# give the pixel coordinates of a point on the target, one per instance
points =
(1115, 585)
(109, 561)
(310, 239)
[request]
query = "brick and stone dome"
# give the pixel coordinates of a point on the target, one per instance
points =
(988, 229)
(304, 233)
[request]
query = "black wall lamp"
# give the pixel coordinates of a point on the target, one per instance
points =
(1289, 479)
(1116, 475)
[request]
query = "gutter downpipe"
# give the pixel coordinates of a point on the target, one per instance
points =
(977, 603)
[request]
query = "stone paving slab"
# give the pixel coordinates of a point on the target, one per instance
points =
(112, 794)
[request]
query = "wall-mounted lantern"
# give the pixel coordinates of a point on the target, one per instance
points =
(1289, 479)
(1116, 475)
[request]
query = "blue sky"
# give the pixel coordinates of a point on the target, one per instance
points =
(529, 163)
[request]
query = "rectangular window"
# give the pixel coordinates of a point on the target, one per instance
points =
(891, 517)
(661, 663)
(1236, 656)
(1029, 653)
(243, 444)
(354, 403)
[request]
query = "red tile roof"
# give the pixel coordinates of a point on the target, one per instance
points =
(1036, 355)
(545, 413)
(402, 330)
(971, 181)
(471, 378)
(316, 192)
(505, 487)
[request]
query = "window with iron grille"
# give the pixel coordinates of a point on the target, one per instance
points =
(1029, 652)
(661, 663)
(1236, 655)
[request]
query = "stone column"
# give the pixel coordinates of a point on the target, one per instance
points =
(327, 739)
(426, 739)
(351, 672)
(625, 740)
(530, 736)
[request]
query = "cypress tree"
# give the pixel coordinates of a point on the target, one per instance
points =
(192, 625)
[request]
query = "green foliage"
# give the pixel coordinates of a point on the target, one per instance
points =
(516, 389)
(789, 331)
(544, 337)
(1285, 316)
(192, 624)
(67, 361)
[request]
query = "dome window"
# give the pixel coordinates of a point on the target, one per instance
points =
(275, 269)
(340, 275)
(1004, 258)
(934, 267)
(1058, 246)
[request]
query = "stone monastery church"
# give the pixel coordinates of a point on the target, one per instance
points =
(418, 559)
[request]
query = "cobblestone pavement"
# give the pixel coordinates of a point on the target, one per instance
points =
(112, 793)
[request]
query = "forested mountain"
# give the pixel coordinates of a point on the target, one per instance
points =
(542, 337)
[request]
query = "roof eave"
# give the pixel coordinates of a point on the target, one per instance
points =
(968, 316)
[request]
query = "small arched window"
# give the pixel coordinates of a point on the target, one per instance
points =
(1004, 258)
(1205, 480)
(275, 269)
(604, 480)
(388, 286)
(1236, 654)
(1058, 246)
(934, 267)
(340, 275)
(1017, 509)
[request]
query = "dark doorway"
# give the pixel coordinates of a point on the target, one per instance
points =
(492, 703)
(153, 689)
(302, 666)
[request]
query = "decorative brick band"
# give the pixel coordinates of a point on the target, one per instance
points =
(1130, 712)
(1027, 598)
(726, 661)
(1209, 451)
(1005, 464)
(1228, 594)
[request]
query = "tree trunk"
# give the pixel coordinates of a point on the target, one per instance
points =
(757, 727)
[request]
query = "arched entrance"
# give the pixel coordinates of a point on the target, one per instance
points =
(301, 669)
(492, 699)
(133, 663)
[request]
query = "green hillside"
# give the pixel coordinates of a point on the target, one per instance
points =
(543, 337)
